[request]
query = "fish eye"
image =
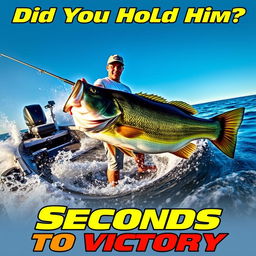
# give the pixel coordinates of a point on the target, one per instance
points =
(92, 90)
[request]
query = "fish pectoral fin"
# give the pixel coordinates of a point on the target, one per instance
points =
(112, 149)
(186, 152)
(184, 106)
(129, 131)
(127, 151)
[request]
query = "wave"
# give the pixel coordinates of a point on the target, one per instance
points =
(35, 192)
(234, 192)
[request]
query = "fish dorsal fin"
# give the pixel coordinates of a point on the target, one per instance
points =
(186, 152)
(129, 131)
(184, 106)
(179, 104)
(152, 97)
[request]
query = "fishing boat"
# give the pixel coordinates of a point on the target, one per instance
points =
(42, 142)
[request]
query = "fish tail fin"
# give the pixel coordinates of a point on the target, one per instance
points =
(230, 123)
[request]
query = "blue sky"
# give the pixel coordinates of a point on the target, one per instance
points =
(190, 62)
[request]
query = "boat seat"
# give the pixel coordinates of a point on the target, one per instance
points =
(43, 130)
(36, 121)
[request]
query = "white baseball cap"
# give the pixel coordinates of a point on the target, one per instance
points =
(115, 58)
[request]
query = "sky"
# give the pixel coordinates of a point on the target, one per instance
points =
(194, 63)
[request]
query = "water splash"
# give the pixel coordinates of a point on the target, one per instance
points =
(8, 147)
(12, 129)
(85, 177)
(31, 196)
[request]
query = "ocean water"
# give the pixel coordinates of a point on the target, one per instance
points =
(207, 179)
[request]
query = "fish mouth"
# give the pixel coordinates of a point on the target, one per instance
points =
(90, 122)
(74, 99)
(99, 125)
(86, 117)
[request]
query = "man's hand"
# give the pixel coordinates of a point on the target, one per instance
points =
(83, 80)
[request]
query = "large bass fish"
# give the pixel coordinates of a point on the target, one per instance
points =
(148, 123)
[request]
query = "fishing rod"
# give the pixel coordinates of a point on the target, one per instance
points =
(39, 69)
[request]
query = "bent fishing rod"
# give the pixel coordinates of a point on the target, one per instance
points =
(39, 69)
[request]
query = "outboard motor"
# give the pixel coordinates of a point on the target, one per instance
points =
(36, 121)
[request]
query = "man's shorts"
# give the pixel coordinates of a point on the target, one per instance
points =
(115, 163)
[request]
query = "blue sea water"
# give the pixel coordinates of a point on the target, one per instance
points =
(229, 183)
(4, 136)
(216, 180)
(208, 179)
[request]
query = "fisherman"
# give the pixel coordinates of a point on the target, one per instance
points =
(115, 67)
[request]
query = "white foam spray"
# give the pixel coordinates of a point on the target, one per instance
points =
(8, 148)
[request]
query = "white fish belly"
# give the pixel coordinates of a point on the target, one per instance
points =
(138, 145)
